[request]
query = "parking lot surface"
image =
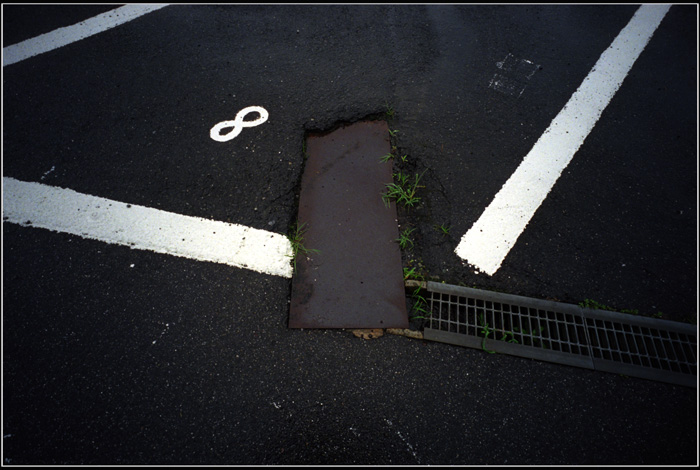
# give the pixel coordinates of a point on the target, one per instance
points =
(119, 354)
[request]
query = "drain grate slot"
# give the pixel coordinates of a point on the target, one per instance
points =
(562, 333)
(643, 347)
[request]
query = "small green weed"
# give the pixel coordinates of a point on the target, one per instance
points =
(401, 178)
(386, 158)
(303, 150)
(420, 306)
(389, 110)
(631, 311)
(393, 132)
(403, 190)
(296, 238)
(588, 303)
(443, 229)
(415, 273)
(409, 273)
(536, 335)
(486, 331)
(509, 336)
(404, 238)
(506, 335)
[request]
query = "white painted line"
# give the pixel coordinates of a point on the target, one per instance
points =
(144, 228)
(487, 243)
(64, 36)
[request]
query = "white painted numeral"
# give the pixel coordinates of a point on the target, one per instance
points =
(238, 123)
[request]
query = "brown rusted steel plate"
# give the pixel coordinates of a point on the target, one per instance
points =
(356, 278)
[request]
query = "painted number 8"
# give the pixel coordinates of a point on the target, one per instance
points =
(238, 123)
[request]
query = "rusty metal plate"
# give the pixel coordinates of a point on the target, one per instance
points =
(355, 280)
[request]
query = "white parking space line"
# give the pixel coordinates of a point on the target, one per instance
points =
(144, 228)
(489, 240)
(64, 36)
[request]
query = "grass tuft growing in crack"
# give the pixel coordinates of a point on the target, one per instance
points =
(486, 330)
(389, 113)
(404, 239)
(443, 229)
(420, 306)
(296, 238)
(592, 304)
(403, 190)
(420, 309)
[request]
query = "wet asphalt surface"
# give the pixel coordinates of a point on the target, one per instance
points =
(120, 356)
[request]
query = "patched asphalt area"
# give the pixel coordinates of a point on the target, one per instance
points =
(120, 356)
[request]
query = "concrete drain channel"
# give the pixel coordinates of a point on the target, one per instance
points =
(561, 333)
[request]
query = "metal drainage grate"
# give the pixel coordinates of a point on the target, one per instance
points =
(643, 347)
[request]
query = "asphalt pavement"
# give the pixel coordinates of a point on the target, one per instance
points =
(113, 355)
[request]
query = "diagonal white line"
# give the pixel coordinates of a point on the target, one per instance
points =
(144, 228)
(64, 36)
(488, 242)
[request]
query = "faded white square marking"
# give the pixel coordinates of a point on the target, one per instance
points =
(514, 75)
